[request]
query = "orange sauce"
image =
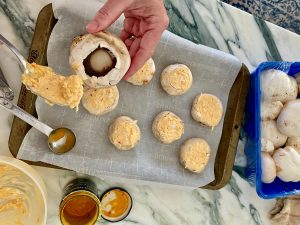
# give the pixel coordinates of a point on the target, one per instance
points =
(59, 134)
(119, 205)
(80, 206)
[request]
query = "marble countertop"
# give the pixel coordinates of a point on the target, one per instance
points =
(205, 22)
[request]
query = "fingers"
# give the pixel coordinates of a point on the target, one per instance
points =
(134, 47)
(124, 35)
(128, 43)
(142, 52)
(108, 14)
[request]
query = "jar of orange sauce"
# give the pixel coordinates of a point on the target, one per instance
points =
(81, 204)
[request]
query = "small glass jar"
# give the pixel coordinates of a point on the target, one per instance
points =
(80, 204)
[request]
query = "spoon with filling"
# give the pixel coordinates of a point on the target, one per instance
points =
(60, 140)
(43, 81)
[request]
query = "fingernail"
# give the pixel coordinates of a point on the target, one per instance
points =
(92, 26)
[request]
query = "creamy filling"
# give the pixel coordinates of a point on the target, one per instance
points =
(179, 78)
(101, 98)
(54, 88)
(125, 133)
(197, 155)
(209, 108)
(170, 127)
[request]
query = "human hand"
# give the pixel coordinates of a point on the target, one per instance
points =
(145, 21)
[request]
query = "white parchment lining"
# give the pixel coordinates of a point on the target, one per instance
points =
(213, 72)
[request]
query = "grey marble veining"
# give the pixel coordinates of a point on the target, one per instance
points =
(285, 13)
(234, 204)
(22, 22)
(220, 26)
(203, 21)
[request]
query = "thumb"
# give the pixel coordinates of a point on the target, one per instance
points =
(108, 14)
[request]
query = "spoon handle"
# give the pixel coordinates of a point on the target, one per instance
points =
(8, 93)
(17, 111)
(21, 59)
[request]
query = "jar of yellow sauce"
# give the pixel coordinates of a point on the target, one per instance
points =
(116, 204)
(82, 206)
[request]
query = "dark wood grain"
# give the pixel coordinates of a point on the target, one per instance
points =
(232, 122)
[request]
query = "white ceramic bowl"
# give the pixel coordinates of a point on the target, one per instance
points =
(39, 197)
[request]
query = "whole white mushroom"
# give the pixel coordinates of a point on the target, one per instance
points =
(101, 59)
(270, 110)
(278, 86)
(294, 142)
(288, 121)
(270, 132)
(287, 161)
(298, 79)
(268, 168)
(298, 82)
(266, 145)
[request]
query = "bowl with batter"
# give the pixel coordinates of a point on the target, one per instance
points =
(22, 194)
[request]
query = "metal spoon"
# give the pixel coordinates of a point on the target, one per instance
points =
(8, 93)
(11, 47)
(60, 140)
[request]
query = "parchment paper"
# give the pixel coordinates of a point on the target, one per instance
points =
(213, 72)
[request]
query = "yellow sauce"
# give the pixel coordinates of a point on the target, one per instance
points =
(79, 208)
(115, 203)
(64, 136)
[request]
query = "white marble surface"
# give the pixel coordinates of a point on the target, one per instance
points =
(203, 21)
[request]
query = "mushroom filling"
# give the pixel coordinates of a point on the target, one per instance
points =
(99, 62)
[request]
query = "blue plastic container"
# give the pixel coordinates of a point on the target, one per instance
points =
(252, 129)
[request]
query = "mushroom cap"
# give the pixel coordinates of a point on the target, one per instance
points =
(82, 46)
(294, 142)
(144, 75)
(287, 162)
(270, 132)
(288, 121)
(266, 145)
(278, 86)
(270, 110)
(268, 168)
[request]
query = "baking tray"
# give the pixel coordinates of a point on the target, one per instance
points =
(232, 121)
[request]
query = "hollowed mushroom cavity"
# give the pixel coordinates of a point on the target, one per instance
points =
(99, 62)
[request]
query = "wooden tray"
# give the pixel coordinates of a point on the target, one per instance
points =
(232, 122)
